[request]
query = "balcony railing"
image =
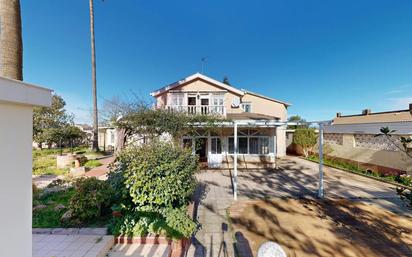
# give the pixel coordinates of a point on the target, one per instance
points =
(199, 109)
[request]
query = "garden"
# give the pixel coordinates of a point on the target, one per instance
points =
(307, 139)
(148, 190)
(44, 160)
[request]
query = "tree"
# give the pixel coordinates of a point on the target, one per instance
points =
(46, 120)
(140, 119)
(11, 45)
(403, 144)
(226, 80)
(305, 138)
(95, 145)
(296, 119)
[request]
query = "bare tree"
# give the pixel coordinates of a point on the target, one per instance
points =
(11, 45)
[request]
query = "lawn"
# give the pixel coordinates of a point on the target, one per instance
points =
(340, 164)
(44, 161)
(306, 227)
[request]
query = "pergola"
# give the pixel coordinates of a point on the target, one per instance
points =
(267, 124)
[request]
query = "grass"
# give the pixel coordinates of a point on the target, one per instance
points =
(50, 218)
(403, 180)
(93, 164)
(44, 160)
(46, 165)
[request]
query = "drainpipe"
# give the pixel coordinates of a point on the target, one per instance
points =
(235, 163)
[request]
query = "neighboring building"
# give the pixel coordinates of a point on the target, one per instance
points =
(260, 121)
(353, 137)
(107, 137)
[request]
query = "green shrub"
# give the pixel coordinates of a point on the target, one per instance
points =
(90, 197)
(341, 164)
(158, 174)
(305, 138)
(180, 224)
(172, 223)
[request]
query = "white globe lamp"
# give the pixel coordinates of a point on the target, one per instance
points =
(271, 249)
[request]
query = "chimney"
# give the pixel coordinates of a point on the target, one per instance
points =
(338, 114)
(366, 111)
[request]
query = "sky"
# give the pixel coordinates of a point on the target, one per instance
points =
(323, 57)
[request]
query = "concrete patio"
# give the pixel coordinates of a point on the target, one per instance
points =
(295, 178)
(71, 245)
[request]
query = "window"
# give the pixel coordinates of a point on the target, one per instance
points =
(187, 142)
(191, 100)
(242, 145)
(263, 145)
(247, 107)
(216, 146)
(177, 99)
(254, 145)
(112, 137)
(204, 101)
(231, 145)
(218, 99)
(257, 145)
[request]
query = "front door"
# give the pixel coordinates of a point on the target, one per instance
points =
(215, 157)
(201, 148)
(204, 105)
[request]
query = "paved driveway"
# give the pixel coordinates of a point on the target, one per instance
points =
(294, 178)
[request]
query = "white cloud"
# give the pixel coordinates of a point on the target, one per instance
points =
(399, 89)
(400, 103)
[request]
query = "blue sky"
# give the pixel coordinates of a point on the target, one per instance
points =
(322, 56)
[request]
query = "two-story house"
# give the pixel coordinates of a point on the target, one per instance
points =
(256, 121)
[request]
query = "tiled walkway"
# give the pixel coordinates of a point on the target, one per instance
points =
(71, 245)
(101, 171)
(140, 250)
(295, 178)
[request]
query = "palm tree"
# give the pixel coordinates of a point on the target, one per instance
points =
(94, 91)
(11, 45)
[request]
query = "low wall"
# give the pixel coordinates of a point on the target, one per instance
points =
(345, 147)
(178, 248)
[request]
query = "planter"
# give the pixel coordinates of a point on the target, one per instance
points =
(117, 214)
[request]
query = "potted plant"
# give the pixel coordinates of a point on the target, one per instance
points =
(116, 210)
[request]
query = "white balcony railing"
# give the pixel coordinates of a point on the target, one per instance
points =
(199, 109)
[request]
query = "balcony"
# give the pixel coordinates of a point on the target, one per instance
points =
(199, 109)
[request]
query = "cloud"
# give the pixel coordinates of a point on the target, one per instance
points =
(399, 89)
(400, 103)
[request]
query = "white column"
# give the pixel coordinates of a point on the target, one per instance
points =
(17, 100)
(235, 162)
(320, 192)
(280, 141)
